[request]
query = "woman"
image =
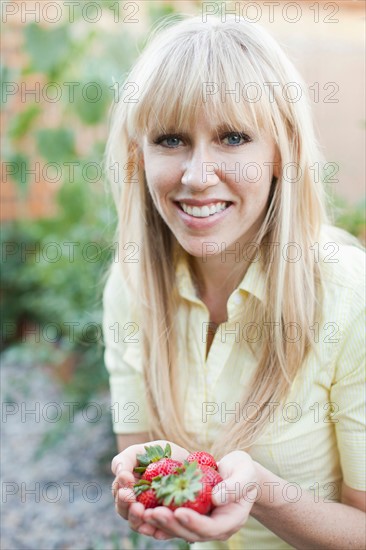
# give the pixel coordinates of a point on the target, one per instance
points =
(233, 314)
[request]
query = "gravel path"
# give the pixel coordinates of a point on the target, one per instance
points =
(57, 497)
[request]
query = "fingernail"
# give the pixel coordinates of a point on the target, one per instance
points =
(119, 468)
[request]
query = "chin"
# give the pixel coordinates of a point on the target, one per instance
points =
(205, 247)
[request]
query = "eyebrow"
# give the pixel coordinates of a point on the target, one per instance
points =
(220, 129)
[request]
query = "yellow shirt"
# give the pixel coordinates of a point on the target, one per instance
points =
(310, 443)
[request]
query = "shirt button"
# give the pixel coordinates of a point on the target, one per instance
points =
(237, 299)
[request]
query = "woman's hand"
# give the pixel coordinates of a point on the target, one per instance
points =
(122, 487)
(233, 499)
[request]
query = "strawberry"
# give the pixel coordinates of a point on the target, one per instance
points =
(148, 499)
(210, 476)
(203, 458)
(153, 454)
(184, 489)
(163, 467)
(145, 494)
(202, 503)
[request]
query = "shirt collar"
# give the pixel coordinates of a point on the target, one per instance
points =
(253, 281)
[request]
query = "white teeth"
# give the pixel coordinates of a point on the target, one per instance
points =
(205, 211)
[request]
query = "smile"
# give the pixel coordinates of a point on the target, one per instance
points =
(204, 211)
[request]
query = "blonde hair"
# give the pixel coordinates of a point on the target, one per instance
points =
(167, 81)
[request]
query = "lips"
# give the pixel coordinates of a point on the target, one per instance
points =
(200, 221)
(204, 211)
(200, 203)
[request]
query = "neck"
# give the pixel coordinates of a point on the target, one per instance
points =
(218, 275)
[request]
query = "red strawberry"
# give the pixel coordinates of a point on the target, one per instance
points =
(210, 476)
(148, 499)
(184, 488)
(163, 467)
(154, 453)
(145, 494)
(202, 503)
(203, 458)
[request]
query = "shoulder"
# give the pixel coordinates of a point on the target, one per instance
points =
(113, 285)
(343, 272)
(342, 263)
(115, 293)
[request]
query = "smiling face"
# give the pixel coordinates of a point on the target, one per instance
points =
(210, 184)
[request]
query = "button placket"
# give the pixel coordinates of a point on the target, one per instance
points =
(218, 356)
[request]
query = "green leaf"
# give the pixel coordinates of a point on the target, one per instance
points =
(56, 145)
(92, 100)
(46, 48)
(181, 487)
(19, 164)
(153, 454)
(141, 486)
(22, 122)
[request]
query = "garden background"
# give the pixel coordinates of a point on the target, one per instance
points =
(61, 65)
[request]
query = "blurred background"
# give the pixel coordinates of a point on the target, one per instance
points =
(61, 63)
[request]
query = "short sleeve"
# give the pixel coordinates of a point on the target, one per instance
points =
(122, 358)
(348, 393)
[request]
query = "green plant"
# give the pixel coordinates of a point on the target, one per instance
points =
(351, 217)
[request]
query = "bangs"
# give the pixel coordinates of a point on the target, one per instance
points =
(210, 73)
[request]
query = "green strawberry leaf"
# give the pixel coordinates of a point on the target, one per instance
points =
(153, 454)
(139, 469)
(180, 488)
(141, 486)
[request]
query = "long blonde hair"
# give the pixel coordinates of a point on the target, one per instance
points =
(164, 88)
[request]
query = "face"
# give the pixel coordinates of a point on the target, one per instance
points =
(210, 185)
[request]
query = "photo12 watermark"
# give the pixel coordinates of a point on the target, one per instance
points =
(252, 412)
(53, 252)
(253, 92)
(271, 12)
(71, 11)
(35, 412)
(51, 492)
(290, 252)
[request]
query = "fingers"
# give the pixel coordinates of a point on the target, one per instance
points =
(126, 460)
(135, 515)
(163, 520)
(234, 462)
(220, 525)
(146, 528)
(124, 499)
(239, 474)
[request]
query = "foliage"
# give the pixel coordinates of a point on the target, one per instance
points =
(351, 217)
(59, 285)
(53, 277)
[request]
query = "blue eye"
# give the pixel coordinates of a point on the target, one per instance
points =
(236, 137)
(170, 141)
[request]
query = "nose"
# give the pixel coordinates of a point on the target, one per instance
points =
(200, 171)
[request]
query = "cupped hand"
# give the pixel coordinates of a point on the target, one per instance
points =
(122, 487)
(233, 499)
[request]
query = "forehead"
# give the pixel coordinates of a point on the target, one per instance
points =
(187, 84)
(212, 117)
